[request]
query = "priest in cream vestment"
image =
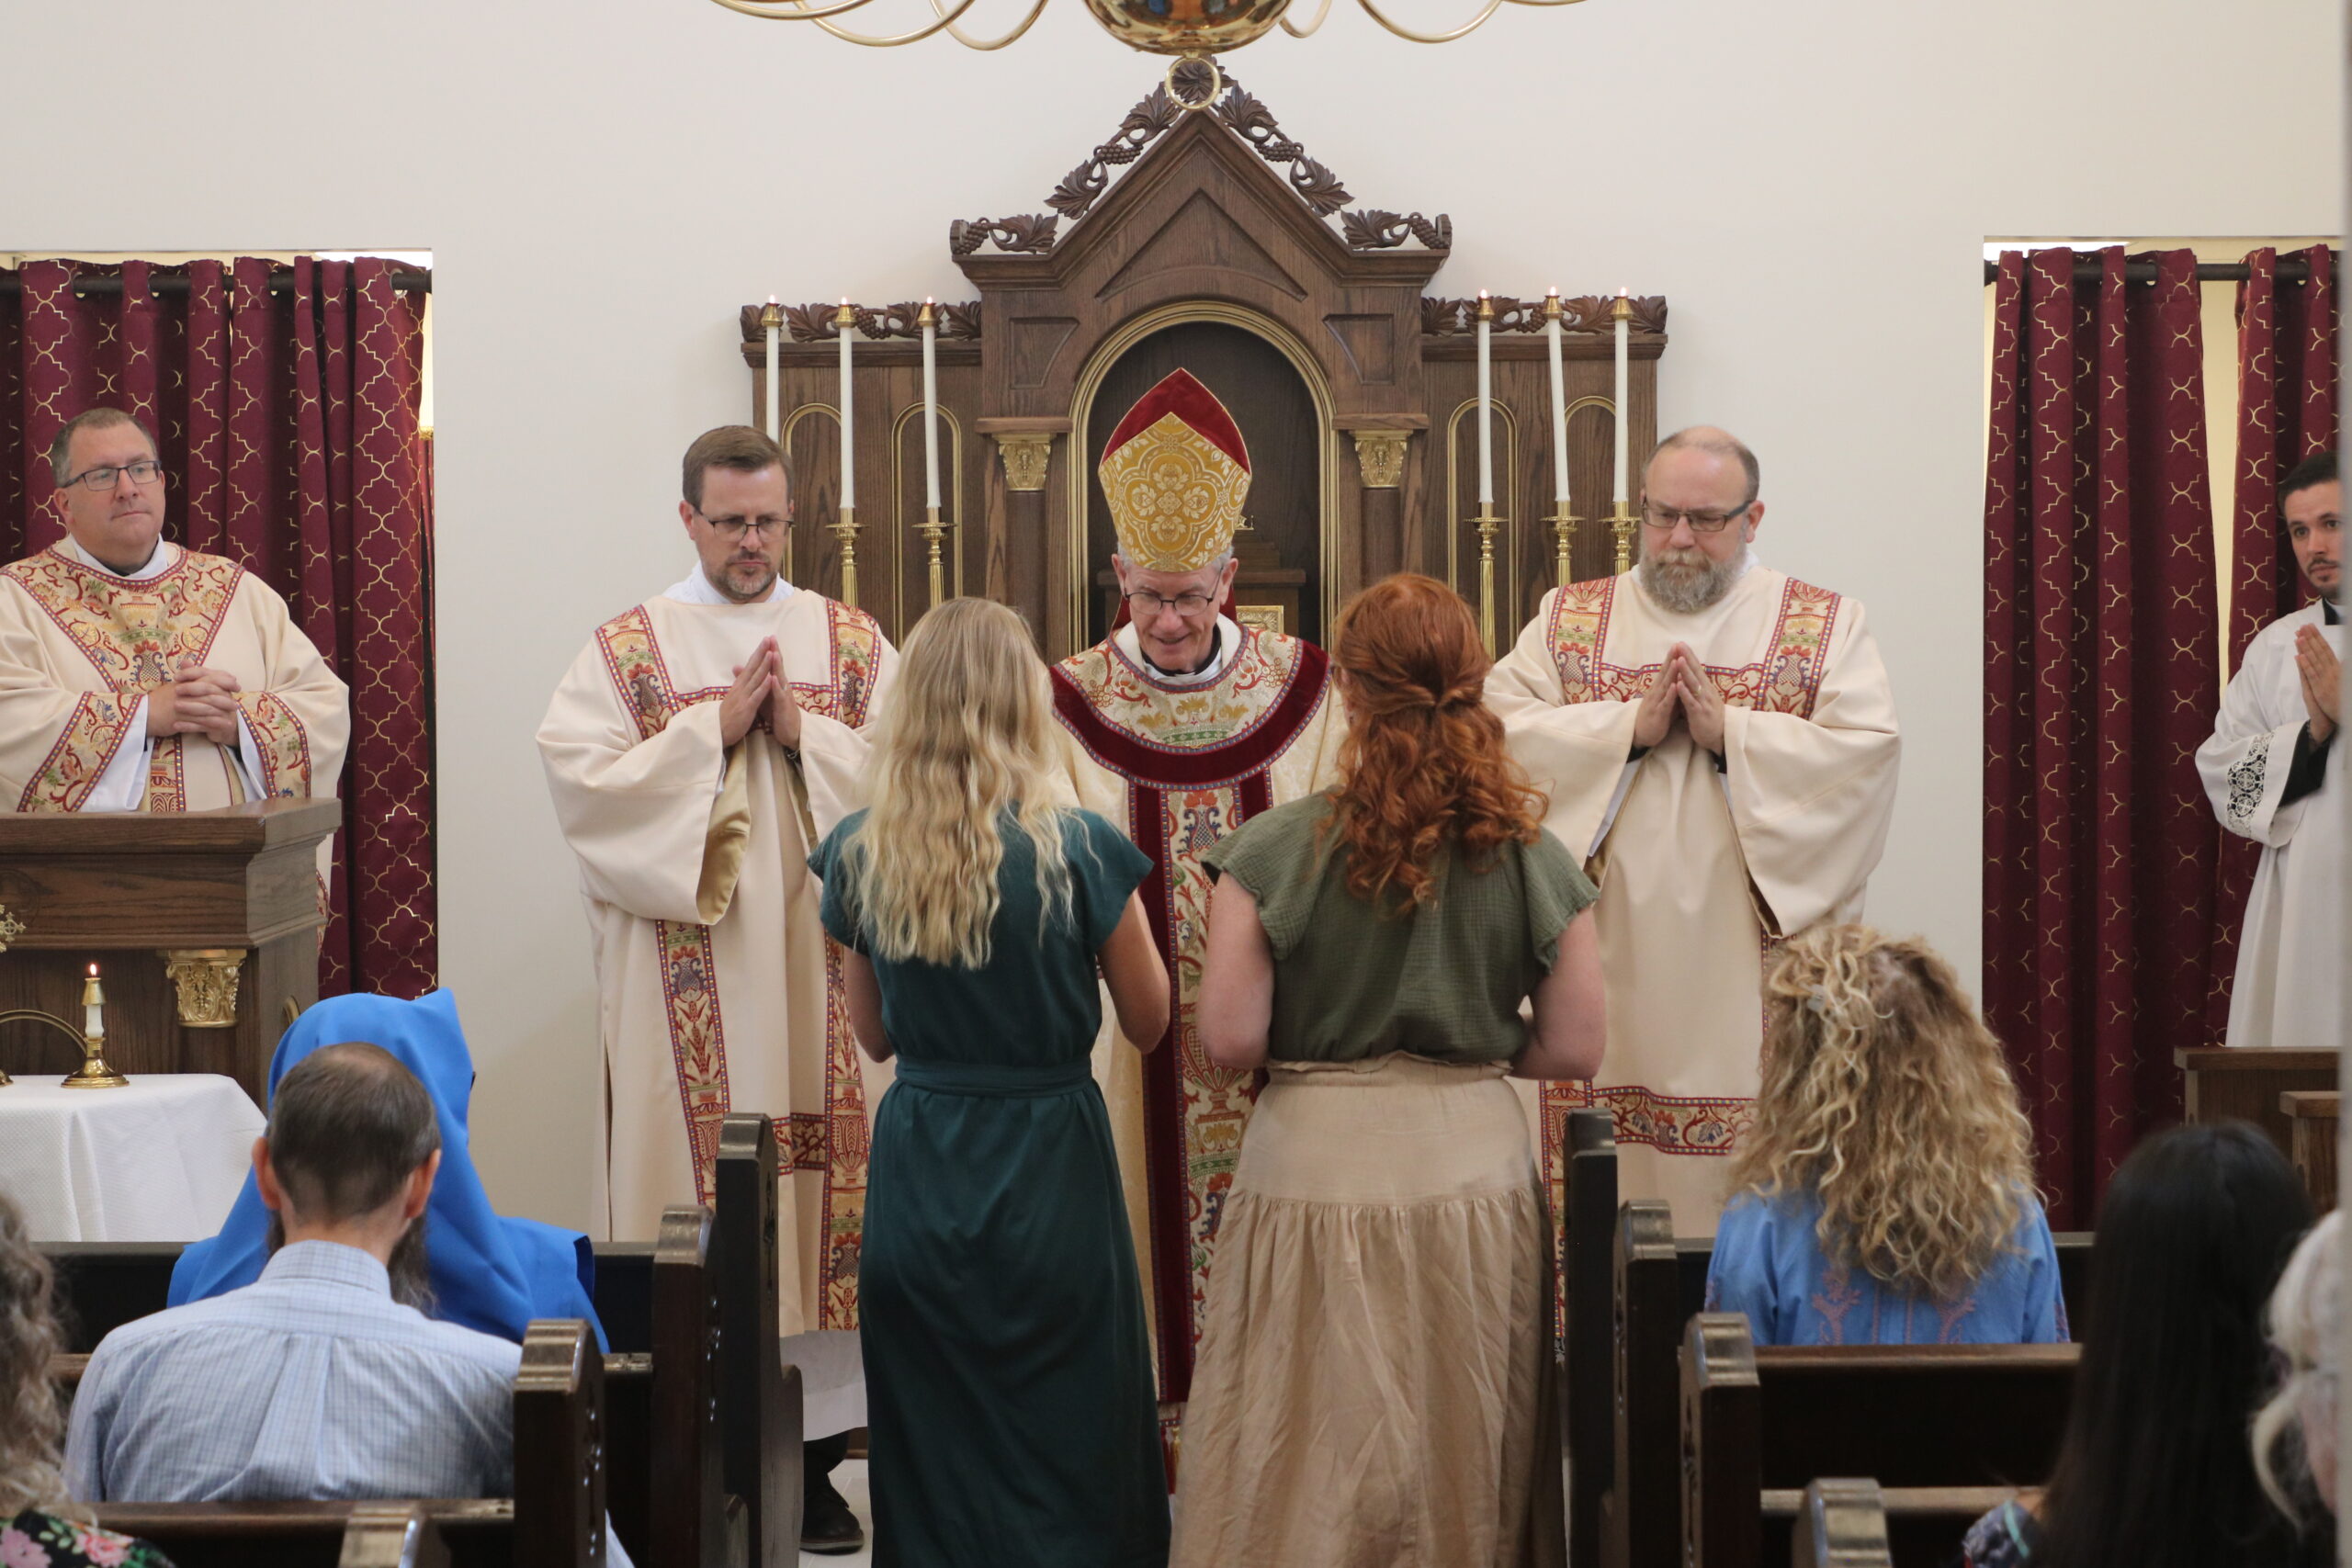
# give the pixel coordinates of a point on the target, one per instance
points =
(1183, 724)
(2274, 771)
(139, 676)
(1719, 739)
(698, 751)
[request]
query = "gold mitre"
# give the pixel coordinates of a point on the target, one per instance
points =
(1175, 471)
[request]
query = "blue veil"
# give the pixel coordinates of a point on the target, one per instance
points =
(489, 1273)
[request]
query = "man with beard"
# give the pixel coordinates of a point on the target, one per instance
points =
(1718, 739)
(701, 746)
(2275, 774)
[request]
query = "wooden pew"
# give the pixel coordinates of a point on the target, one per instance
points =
(1924, 1525)
(1587, 1422)
(1927, 1417)
(1842, 1524)
(2312, 1115)
(759, 1401)
(2218, 1082)
(556, 1519)
(1659, 1285)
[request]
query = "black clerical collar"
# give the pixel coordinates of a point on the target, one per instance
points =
(1216, 647)
(2328, 612)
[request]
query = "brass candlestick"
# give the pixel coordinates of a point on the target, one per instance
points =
(1563, 536)
(931, 531)
(1488, 523)
(93, 1072)
(1620, 523)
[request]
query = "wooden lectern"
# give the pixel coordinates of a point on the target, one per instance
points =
(204, 924)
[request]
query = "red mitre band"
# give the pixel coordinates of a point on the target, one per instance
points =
(1180, 394)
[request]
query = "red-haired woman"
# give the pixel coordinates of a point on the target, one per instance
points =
(1377, 1342)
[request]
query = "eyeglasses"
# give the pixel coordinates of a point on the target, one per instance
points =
(1143, 602)
(145, 471)
(732, 529)
(1664, 518)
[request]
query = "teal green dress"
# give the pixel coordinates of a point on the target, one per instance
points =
(1007, 1370)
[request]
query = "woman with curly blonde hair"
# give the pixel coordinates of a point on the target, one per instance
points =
(1374, 1367)
(34, 1531)
(1884, 1193)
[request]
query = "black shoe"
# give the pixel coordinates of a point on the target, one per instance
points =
(826, 1526)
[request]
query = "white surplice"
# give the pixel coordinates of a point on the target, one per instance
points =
(2288, 989)
(1701, 868)
(718, 989)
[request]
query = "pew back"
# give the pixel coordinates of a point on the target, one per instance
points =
(760, 1397)
(1926, 1416)
(2219, 1082)
(1588, 1419)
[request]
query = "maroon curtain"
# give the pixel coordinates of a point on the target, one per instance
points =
(2100, 643)
(288, 419)
(2286, 412)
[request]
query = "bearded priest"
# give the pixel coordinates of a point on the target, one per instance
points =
(702, 745)
(139, 676)
(1185, 724)
(1718, 739)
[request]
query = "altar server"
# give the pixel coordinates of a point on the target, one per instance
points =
(2275, 774)
(698, 750)
(1718, 739)
(1185, 725)
(136, 675)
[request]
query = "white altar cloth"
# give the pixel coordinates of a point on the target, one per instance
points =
(160, 1159)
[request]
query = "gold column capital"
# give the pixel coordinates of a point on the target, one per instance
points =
(1027, 454)
(1381, 455)
(205, 982)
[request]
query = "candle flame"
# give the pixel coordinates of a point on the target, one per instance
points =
(929, 301)
(1551, 293)
(94, 971)
(1482, 294)
(771, 298)
(1624, 294)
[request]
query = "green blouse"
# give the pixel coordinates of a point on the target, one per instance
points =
(1443, 981)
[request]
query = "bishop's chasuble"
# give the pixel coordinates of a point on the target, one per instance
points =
(718, 989)
(81, 646)
(1181, 761)
(1702, 866)
(2269, 782)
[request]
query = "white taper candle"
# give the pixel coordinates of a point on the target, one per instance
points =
(774, 427)
(1559, 403)
(1486, 404)
(1625, 408)
(849, 440)
(930, 404)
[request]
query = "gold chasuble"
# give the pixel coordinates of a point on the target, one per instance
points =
(81, 647)
(1704, 866)
(1181, 761)
(719, 991)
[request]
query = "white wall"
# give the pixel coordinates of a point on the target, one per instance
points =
(602, 182)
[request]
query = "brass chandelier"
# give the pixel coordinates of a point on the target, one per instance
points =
(1196, 28)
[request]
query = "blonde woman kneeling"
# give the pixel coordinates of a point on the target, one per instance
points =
(1375, 1363)
(1884, 1195)
(1008, 1372)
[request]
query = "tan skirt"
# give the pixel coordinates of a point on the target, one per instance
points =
(1374, 1384)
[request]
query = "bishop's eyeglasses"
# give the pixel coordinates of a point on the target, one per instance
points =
(1144, 603)
(732, 529)
(1664, 518)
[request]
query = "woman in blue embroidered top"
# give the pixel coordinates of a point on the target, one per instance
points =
(1884, 1194)
(2155, 1469)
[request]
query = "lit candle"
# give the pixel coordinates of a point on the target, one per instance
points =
(1559, 401)
(1625, 315)
(94, 1022)
(772, 320)
(844, 323)
(1486, 402)
(930, 404)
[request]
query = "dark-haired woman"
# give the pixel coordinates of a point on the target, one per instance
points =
(2155, 1469)
(1375, 1356)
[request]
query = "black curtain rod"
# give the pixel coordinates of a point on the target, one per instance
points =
(2289, 270)
(281, 281)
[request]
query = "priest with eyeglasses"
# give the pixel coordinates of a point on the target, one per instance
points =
(1182, 724)
(1718, 743)
(138, 675)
